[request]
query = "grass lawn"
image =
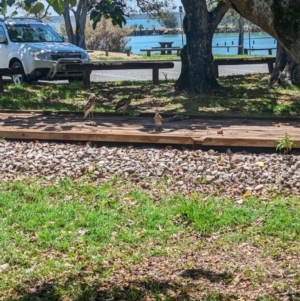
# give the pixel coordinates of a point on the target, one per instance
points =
(116, 241)
(243, 95)
(101, 56)
(78, 240)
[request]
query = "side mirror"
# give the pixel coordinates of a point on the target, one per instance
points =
(65, 38)
(3, 40)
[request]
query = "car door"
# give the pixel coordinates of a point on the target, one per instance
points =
(4, 49)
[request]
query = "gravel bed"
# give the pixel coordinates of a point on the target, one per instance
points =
(232, 174)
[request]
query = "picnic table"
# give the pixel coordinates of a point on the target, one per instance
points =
(166, 45)
(177, 49)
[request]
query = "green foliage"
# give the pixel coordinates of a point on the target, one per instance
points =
(36, 7)
(169, 19)
(109, 9)
(286, 144)
(3, 8)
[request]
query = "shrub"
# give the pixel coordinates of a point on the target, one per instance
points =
(105, 36)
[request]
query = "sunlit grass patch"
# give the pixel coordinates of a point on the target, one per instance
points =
(62, 239)
(243, 95)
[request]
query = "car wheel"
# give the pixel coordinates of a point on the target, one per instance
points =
(18, 79)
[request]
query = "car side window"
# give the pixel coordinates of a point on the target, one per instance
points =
(14, 33)
(2, 31)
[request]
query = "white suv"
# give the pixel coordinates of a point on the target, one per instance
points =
(38, 49)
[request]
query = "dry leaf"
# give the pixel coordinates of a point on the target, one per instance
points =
(247, 194)
(128, 199)
(260, 164)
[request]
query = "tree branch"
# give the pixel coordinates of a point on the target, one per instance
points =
(218, 13)
(45, 13)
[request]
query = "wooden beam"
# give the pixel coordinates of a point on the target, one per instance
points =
(238, 141)
(243, 61)
(10, 71)
(87, 68)
(119, 65)
(32, 134)
(155, 75)
(86, 79)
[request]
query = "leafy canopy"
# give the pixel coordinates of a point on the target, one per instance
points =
(114, 9)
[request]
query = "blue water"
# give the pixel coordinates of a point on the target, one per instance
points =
(257, 40)
(147, 23)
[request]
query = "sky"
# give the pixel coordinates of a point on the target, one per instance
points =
(177, 3)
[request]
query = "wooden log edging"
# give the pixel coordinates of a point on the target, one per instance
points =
(243, 61)
(88, 68)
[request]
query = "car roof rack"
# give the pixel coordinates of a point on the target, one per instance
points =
(23, 18)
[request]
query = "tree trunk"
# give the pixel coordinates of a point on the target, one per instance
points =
(241, 36)
(278, 18)
(80, 21)
(68, 24)
(80, 14)
(196, 56)
(286, 71)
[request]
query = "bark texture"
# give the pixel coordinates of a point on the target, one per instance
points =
(286, 71)
(280, 18)
(197, 60)
(76, 37)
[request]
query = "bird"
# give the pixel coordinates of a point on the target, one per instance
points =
(89, 106)
(122, 105)
(158, 120)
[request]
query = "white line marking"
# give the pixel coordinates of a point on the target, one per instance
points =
(238, 69)
(118, 76)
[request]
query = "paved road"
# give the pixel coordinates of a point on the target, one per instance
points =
(133, 75)
(173, 73)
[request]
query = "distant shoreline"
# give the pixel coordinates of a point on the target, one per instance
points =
(158, 30)
(163, 31)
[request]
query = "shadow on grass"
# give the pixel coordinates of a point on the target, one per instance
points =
(149, 289)
(201, 273)
(243, 95)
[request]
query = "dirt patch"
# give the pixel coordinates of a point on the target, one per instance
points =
(96, 55)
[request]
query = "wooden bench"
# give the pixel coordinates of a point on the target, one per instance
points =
(8, 72)
(243, 61)
(247, 50)
(163, 50)
(88, 68)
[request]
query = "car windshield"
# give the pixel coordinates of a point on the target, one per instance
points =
(32, 33)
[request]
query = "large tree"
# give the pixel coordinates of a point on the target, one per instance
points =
(286, 71)
(199, 25)
(281, 19)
